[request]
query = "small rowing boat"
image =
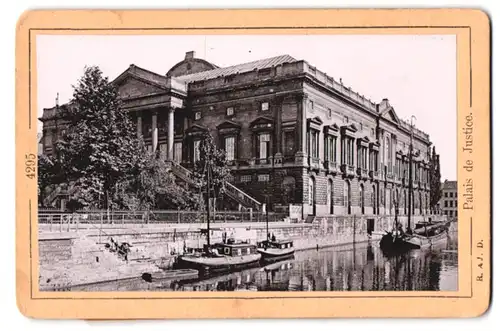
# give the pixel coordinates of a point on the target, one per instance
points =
(181, 274)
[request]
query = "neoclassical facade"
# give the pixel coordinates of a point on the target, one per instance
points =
(293, 135)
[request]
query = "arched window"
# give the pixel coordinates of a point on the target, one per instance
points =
(288, 186)
(397, 199)
(420, 202)
(362, 198)
(374, 200)
(312, 190)
(329, 196)
(312, 195)
(347, 196)
(404, 202)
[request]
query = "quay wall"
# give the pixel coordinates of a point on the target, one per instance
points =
(79, 257)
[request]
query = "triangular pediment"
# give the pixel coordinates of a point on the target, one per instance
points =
(132, 87)
(196, 128)
(263, 120)
(316, 120)
(350, 127)
(388, 111)
(228, 125)
(391, 116)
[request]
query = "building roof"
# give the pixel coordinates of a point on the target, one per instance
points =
(449, 185)
(237, 69)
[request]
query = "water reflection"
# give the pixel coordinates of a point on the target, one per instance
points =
(359, 267)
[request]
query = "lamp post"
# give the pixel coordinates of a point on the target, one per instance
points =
(410, 177)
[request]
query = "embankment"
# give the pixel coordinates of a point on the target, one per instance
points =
(79, 257)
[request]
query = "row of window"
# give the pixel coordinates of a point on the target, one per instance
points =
(450, 203)
(387, 197)
(450, 194)
(264, 106)
(451, 213)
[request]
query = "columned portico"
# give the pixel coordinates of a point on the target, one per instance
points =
(170, 132)
(154, 130)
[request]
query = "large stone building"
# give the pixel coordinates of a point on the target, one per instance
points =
(290, 132)
(448, 203)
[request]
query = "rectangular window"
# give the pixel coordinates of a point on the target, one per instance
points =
(289, 147)
(346, 119)
(229, 146)
(196, 147)
(446, 203)
(311, 105)
(245, 178)
(197, 115)
(230, 111)
(178, 152)
(263, 178)
(314, 144)
(264, 140)
(330, 148)
(445, 194)
(264, 106)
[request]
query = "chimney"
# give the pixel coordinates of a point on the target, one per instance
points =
(190, 55)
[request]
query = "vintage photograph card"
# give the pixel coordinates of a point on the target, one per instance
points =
(253, 163)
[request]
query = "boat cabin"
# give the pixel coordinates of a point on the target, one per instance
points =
(280, 244)
(235, 249)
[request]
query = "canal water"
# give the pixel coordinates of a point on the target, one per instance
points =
(353, 267)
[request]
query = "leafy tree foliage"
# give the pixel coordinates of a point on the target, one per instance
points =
(100, 145)
(435, 179)
(100, 155)
(214, 158)
(152, 185)
(46, 176)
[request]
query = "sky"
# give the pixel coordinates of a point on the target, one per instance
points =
(417, 73)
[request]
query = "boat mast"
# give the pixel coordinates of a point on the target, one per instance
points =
(410, 177)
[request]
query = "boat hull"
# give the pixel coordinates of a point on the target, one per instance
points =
(276, 254)
(220, 264)
(180, 274)
(391, 245)
(426, 242)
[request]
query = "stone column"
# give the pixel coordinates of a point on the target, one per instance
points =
(139, 126)
(154, 131)
(278, 133)
(300, 155)
(170, 137)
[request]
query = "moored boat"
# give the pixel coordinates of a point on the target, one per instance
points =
(423, 236)
(276, 250)
(222, 257)
(181, 274)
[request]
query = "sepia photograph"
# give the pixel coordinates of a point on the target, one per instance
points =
(247, 162)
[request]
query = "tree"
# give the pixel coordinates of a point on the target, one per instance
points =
(435, 179)
(46, 176)
(215, 158)
(152, 185)
(100, 145)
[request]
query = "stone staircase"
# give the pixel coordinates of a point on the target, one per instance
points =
(62, 190)
(231, 191)
(92, 262)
